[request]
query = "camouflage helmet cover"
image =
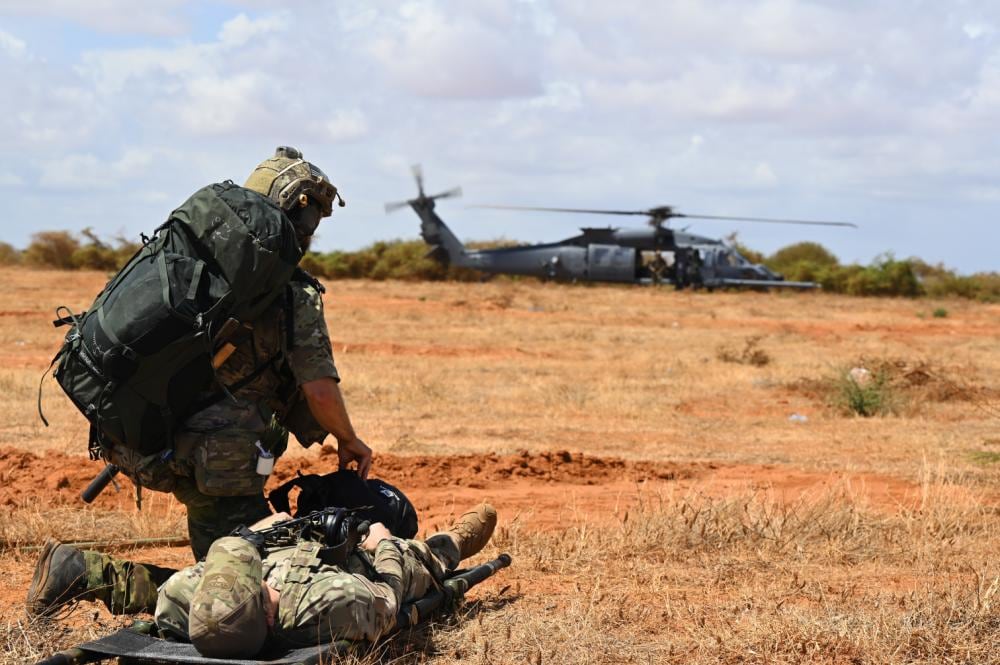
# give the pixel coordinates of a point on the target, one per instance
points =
(286, 178)
(227, 617)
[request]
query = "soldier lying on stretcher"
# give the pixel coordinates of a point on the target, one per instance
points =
(235, 601)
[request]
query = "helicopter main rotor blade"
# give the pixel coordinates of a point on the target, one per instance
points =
(418, 175)
(449, 193)
(644, 213)
(393, 207)
(767, 220)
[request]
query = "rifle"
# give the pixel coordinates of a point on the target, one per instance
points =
(97, 485)
(339, 529)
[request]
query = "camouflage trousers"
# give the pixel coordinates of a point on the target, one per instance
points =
(124, 587)
(127, 587)
(212, 517)
(321, 602)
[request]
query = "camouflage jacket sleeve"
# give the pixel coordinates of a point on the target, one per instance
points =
(311, 356)
(389, 565)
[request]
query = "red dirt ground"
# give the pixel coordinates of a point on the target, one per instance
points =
(544, 484)
(540, 491)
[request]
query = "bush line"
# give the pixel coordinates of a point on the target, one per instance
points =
(409, 260)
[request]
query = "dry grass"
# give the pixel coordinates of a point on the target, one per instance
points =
(749, 578)
(751, 353)
(714, 571)
(689, 578)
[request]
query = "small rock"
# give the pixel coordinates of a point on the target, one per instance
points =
(860, 376)
(798, 418)
(58, 481)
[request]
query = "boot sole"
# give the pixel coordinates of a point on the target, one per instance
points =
(39, 579)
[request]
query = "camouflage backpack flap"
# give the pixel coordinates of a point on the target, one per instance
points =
(249, 239)
(135, 363)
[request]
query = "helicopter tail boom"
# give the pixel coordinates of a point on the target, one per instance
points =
(444, 245)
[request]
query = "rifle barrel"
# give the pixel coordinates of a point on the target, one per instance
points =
(98, 484)
(452, 590)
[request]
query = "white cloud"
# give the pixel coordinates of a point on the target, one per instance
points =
(8, 179)
(240, 29)
(763, 175)
(75, 172)
(15, 48)
(348, 125)
(151, 17)
(88, 171)
(224, 104)
(764, 107)
(434, 54)
(977, 29)
(561, 96)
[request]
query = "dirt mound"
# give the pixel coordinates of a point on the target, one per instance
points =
(481, 470)
(57, 479)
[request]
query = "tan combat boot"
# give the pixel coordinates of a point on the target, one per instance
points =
(60, 577)
(473, 529)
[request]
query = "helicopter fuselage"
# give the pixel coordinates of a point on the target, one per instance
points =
(653, 255)
(630, 255)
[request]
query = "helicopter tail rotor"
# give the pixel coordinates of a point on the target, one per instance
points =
(422, 198)
(418, 175)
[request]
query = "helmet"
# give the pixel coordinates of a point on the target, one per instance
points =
(290, 181)
(227, 617)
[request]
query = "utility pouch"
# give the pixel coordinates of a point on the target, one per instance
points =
(150, 471)
(224, 451)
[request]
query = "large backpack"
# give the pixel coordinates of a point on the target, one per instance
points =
(136, 362)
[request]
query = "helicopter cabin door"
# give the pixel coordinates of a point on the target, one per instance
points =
(611, 263)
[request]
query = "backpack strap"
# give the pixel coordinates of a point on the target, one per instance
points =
(300, 275)
(227, 391)
(289, 318)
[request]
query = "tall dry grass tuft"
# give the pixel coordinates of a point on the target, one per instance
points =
(32, 523)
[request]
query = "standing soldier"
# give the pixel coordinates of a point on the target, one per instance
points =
(215, 456)
(283, 364)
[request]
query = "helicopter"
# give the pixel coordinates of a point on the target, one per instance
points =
(607, 254)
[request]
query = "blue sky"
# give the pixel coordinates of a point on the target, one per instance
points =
(883, 113)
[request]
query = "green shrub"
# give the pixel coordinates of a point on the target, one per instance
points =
(52, 249)
(886, 276)
(751, 255)
(984, 457)
(872, 397)
(393, 259)
(812, 254)
(940, 313)
(9, 255)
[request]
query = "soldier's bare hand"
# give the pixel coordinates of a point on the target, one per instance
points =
(358, 451)
(377, 532)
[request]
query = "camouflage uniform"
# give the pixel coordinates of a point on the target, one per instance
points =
(215, 454)
(322, 602)
(213, 472)
(123, 586)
